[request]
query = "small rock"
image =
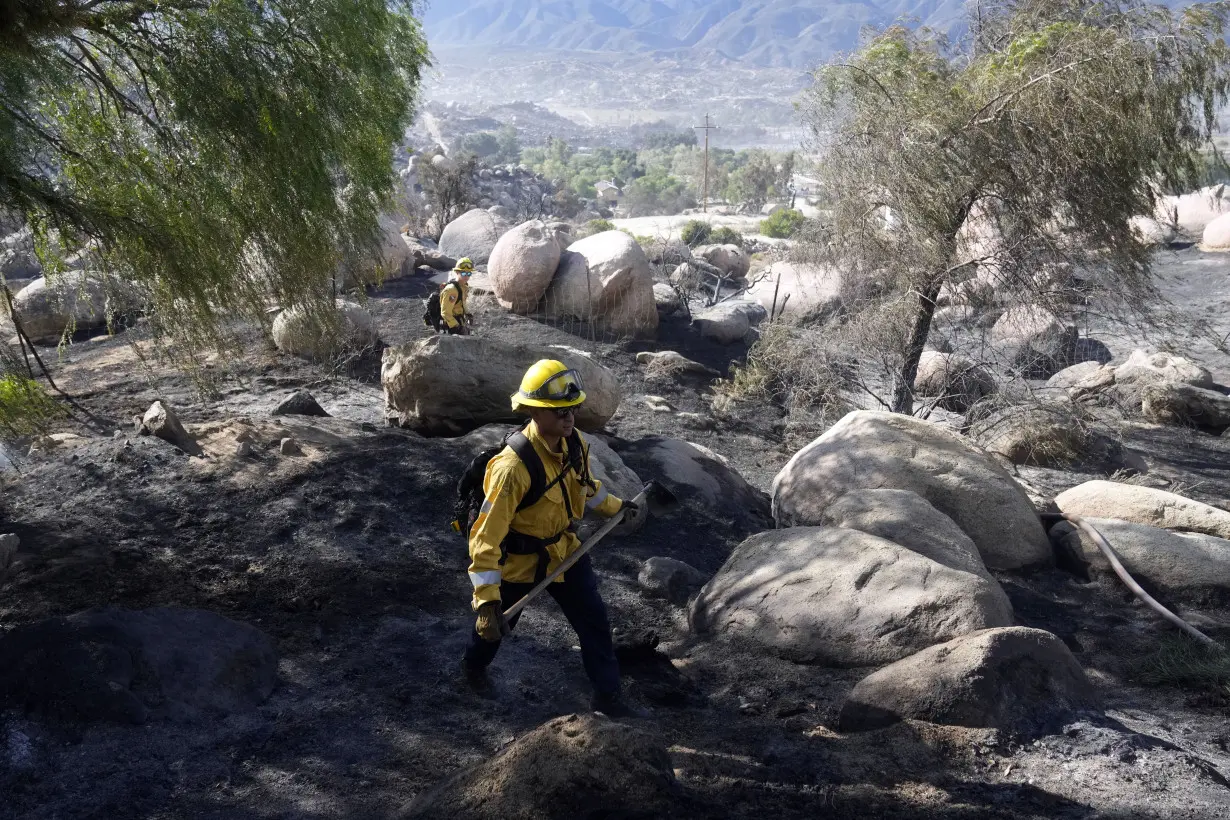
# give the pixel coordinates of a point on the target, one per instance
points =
(671, 579)
(672, 362)
(290, 447)
(160, 421)
(243, 449)
(658, 404)
(697, 421)
(299, 403)
(20, 751)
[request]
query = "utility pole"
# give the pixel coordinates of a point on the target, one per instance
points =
(707, 127)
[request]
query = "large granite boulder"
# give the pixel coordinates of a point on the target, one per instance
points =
(1183, 566)
(450, 385)
(693, 472)
(877, 450)
(1036, 341)
(473, 234)
(350, 329)
(957, 381)
(1144, 505)
(1048, 434)
(522, 265)
(73, 302)
(840, 597)
(729, 259)
(1175, 403)
(800, 292)
(729, 322)
(605, 278)
(905, 518)
(1023, 682)
(1144, 369)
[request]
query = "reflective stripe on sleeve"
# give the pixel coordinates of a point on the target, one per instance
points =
(596, 501)
(486, 508)
(479, 579)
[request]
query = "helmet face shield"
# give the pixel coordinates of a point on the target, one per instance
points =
(565, 386)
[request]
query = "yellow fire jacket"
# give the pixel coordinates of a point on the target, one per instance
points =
(453, 300)
(504, 485)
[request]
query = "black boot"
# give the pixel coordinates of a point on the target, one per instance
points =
(615, 706)
(477, 679)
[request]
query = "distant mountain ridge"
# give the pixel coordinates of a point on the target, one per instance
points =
(784, 33)
(778, 33)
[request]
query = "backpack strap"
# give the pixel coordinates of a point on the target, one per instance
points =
(524, 448)
(578, 458)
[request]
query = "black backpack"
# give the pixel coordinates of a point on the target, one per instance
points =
(432, 317)
(470, 486)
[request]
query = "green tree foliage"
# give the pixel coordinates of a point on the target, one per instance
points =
(501, 147)
(669, 140)
(25, 409)
(1062, 121)
(753, 183)
(726, 236)
(216, 152)
(663, 178)
(783, 225)
(578, 170)
(595, 226)
(658, 194)
(695, 233)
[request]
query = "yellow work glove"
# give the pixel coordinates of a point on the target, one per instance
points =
(491, 624)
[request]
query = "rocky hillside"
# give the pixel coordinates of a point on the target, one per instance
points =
(250, 604)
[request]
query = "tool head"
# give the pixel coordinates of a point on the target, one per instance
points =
(660, 500)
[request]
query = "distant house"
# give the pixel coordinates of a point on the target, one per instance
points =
(609, 193)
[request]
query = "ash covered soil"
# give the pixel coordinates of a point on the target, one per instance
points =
(344, 557)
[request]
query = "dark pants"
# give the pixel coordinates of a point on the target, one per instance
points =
(460, 330)
(577, 595)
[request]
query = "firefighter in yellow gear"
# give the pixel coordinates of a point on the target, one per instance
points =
(511, 549)
(454, 297)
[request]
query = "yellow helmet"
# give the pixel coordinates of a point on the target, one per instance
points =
(549, 383)
(464, 265)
